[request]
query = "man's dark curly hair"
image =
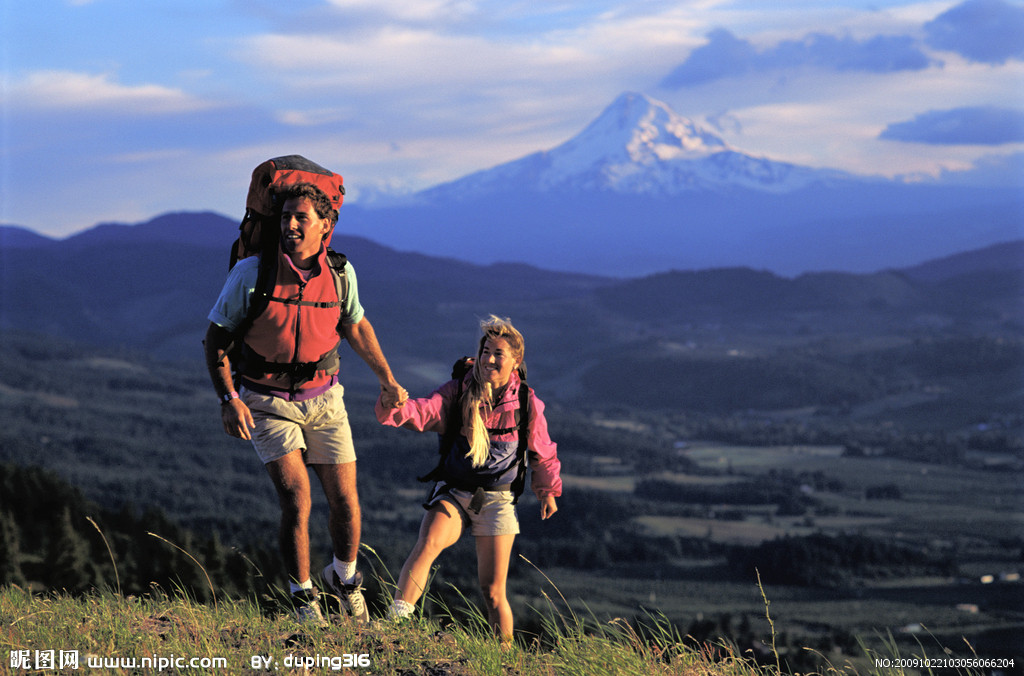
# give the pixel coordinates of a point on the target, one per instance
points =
(321, 203)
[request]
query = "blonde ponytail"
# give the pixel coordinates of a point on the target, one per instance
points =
(478, 395)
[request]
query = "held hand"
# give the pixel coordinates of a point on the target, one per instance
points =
(548, 507)
(393, 395)
(237, 419)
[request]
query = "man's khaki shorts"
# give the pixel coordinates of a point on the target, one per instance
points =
(319, 426)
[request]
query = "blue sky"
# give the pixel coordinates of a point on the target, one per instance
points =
(119, 110)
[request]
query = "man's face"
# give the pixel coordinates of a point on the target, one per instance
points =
(302, 231)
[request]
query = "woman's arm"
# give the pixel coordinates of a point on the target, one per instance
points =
(543, 455)
(426, 414)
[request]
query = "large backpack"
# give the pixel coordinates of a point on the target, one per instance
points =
(453, 427)
(260, 231)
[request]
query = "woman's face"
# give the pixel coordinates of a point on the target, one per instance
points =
(497, 362)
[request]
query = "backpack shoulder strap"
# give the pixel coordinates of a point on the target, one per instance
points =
(266, 277)
(524, 438)
(337, 262)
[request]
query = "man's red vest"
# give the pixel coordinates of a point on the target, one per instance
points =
(296, 339)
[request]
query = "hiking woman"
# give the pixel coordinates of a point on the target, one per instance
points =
(476, 485)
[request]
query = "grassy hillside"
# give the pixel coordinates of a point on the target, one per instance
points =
(859, 527)
(160, 633)
(234, 637)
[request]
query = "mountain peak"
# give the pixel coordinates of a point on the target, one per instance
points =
(637, 145)
(646, 131)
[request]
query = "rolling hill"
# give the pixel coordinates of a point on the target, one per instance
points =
(148, 287)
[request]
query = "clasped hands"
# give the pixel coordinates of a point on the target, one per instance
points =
(393, 395)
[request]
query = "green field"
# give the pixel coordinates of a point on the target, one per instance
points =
(628, 540)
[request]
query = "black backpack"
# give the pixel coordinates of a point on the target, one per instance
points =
(453, 427)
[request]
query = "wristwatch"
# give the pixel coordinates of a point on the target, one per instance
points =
(226, 398)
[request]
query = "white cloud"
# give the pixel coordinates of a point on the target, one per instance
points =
(312, 117)
(399, 58)
(836, 122)
(475, 79)
(415, 92)
(68, 90)
(412, 83)
(439, 100)
(410, 10)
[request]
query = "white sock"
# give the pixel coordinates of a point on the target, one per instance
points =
(400, 609)
(295, 587)
(346, 570)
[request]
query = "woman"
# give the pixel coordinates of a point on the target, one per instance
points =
(476, 477)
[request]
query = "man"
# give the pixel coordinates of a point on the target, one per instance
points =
(291, 405)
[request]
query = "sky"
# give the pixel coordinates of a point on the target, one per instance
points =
(120, 110)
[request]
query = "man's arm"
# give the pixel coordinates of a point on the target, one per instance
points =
(363, 340)
(236, 416)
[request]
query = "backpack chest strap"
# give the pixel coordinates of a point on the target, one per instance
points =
(504, 430)
(305, 303)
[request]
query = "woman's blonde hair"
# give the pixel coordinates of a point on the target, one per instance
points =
(479, 395)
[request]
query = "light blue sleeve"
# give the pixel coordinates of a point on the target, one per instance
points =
(233, 302)
(353, 311)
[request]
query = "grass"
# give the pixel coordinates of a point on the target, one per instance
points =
(105, 629)
(170, 632)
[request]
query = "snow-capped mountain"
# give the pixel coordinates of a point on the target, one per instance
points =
(643, 190)
(639, 145)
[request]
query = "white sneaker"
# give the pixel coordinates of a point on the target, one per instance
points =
(351, 595)
(307, 607)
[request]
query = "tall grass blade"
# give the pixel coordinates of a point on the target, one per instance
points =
(205, 574)
(110, 552)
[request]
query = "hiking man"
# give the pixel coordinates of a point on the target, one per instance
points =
(290, 402)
